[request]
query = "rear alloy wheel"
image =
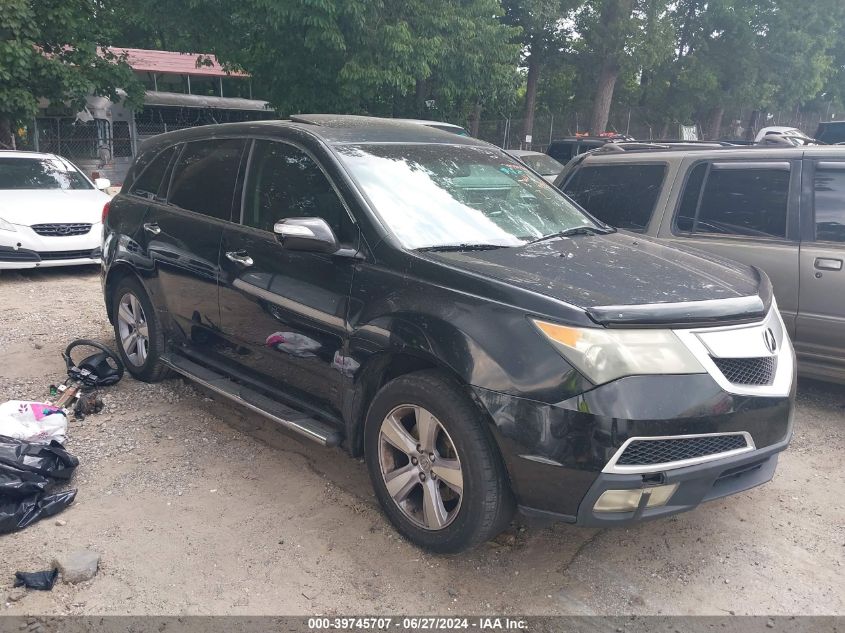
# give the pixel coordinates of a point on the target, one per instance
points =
(420, 467)
(137, 331)
(434, 465)
(133, 331)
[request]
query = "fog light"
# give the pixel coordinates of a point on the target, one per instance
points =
(629, 500)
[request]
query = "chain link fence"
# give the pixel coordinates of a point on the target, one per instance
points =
(643, 124)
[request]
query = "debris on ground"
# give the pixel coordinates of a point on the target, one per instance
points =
(41, 580)
(77, 566)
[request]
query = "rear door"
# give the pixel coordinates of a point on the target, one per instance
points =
(184, 232)
(821, 312)
(746, 211)
(285, 310)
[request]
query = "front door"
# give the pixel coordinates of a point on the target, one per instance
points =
(285, 310)
(821, 314)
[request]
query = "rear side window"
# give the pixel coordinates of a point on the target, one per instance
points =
(829, 188)
(623, 196)
(205, 176)
(734, 199)
(149, 185)
(561, 151)
(284, 182)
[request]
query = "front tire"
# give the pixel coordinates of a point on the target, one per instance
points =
(434, 465)
(137, 331)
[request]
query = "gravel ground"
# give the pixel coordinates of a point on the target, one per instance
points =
(198, 507)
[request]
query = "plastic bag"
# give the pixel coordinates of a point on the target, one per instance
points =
(17, 514)
(43, 580)
(26, 472)
(35, 422)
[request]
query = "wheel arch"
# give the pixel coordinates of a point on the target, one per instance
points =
(116, 272)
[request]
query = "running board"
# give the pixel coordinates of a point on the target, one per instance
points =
(291, 419)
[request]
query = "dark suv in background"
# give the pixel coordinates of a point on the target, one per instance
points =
(428, 302)
(781, 209)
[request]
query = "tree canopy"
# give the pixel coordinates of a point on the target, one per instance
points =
(681, 62)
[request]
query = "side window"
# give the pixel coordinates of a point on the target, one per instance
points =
(623, 196)
(689, 198)
(149, 185)
(205, 176)
(561, 151)
(284, 182)
(737, 200)
(829, 191)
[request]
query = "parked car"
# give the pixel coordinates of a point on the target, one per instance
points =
(429, 304)
(779, 209)
(565, 149)
(542, 163)
(831, 132)
(50, 212)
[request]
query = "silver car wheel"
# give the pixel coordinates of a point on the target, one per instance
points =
(133, 329)
(420, 467)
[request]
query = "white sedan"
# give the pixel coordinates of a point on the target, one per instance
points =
(50, 212)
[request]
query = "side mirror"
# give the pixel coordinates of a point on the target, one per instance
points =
(102, 183)
(306, 234)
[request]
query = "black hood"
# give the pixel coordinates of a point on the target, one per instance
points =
(621, 278)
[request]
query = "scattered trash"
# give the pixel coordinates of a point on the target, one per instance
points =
(77, 566)
(81, 390)
(41, 580)
(37, 422)
(27, 471)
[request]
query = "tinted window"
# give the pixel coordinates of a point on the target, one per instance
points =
(737, 201)
(621, 195)
(40, 173)
(284, 182)
(149, 184)
(830, 204)
(204, 178)
(689, 198)
(561, 151)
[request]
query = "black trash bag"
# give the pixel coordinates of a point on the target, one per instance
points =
(16, 514)
(16, 483)
(42, 580)
(49, 460)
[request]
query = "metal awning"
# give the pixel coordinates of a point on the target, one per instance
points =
(174, 99)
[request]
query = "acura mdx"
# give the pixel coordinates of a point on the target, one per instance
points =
(429, 303)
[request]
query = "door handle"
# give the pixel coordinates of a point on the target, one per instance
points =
(152, 227)
(240, 257)
(827, 263)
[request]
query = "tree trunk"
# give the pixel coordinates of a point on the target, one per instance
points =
(420, 93)
(530, 97)
(7, 136)
(753, 122)
(604, 96)
(475, 120)
(714, 123)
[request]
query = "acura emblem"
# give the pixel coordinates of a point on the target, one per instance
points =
(769, 338)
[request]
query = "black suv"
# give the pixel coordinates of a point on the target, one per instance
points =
(426, 301)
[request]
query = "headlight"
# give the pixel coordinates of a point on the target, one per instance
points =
(6, 226)
(603, 355)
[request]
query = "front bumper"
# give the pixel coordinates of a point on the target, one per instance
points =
(24, 248)
(555, 453)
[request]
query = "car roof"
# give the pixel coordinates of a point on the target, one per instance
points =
(334, 129)
(762, 152)
(16, 153)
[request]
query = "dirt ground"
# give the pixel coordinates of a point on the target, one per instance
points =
(198, 507)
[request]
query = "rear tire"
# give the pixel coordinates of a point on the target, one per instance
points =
(137, 331)
(434, 465)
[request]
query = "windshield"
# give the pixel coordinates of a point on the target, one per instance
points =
(40, 173)
(542, 163)
(440, 195)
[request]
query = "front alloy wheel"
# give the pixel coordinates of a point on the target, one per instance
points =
(133, 329)
(420, 467)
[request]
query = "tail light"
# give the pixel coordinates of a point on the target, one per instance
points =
(106, 211)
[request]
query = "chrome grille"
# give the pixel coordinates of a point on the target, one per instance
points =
(747, 371)
(644, 452)
(61, 230)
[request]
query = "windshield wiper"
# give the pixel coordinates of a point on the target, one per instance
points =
(461, 247)
(576, 230)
